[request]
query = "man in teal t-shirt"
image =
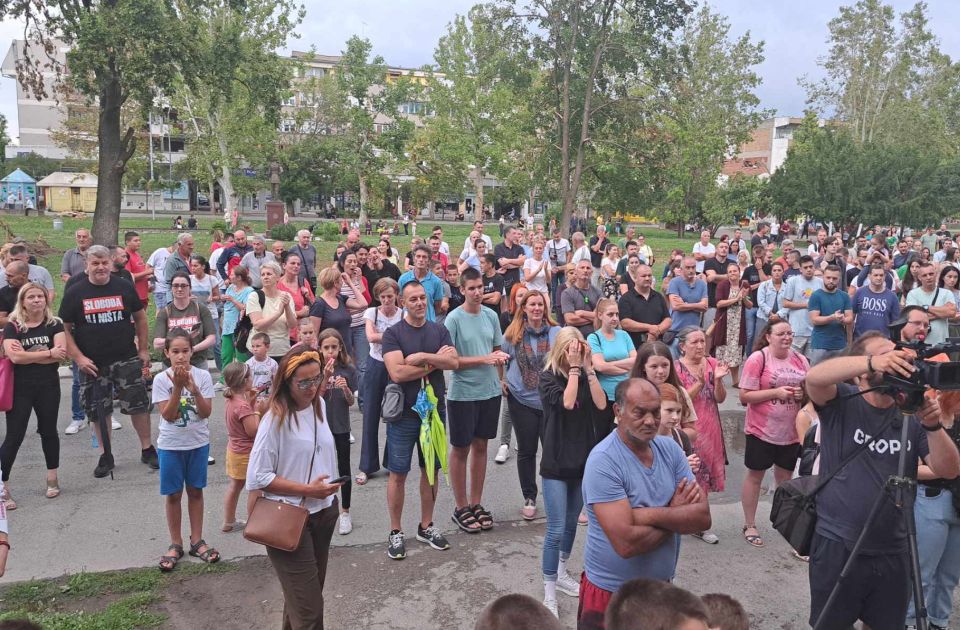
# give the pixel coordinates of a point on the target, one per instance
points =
(830, 313)
(473, 400)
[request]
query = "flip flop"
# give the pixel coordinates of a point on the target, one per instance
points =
(753, 539)
(361, 478)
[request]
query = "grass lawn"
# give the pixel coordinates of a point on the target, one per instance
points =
(117, 600)
(49, 244)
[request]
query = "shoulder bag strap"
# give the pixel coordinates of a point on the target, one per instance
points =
(312, 457)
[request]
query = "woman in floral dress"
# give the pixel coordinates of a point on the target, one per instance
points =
(702, 376)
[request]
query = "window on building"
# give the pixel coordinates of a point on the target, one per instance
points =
(785, 132)
(288, 125)
(414, 107)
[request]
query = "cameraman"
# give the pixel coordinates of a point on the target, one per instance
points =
(876, 590)
(937, 513)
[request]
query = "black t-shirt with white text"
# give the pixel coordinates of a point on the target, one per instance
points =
(846, 500)
(494, 284)
(102, 319)
(34, 339)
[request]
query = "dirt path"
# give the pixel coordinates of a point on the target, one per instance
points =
(430, 589)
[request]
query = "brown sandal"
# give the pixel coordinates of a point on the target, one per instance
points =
(208, 555)
(167, 562)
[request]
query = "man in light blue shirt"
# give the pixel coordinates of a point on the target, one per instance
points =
(795, 298)
(640, 496)
(687, 295)
(431, 284)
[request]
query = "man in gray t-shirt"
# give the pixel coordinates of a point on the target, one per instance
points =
(579, 301)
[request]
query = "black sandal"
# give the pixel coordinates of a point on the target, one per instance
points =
(483, 516)
(466, 521)
(208, 555)
(169, 563)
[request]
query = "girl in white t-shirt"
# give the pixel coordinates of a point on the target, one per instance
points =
(537, 270)
(184, 396)
(377, 320)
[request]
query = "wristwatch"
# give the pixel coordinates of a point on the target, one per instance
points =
(926, 308)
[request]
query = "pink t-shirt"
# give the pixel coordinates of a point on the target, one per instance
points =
(773, 421)
(237, 408)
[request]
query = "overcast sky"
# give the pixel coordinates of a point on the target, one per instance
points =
(405, 33)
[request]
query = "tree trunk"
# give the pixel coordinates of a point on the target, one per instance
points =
(212, 186)
(229, 196)
(114, 152)
(364, 196)
(478, 191)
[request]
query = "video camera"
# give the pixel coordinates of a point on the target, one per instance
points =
(943, 375)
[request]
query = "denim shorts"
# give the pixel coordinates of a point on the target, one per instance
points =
(403, 435)
(179, 468)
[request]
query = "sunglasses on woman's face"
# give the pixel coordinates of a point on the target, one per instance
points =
(308, 383)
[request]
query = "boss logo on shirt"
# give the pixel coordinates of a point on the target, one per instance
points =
(103, 310)
(881, 447)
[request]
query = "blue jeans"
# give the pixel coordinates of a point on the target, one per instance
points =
(160, 299)
(938, 540)
(374, 383)
(361, 350)
(76, 408)
(752, 328)
(563, 501)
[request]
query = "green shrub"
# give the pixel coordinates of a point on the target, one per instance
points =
(283, 232)
(328, 231)
(218, 225)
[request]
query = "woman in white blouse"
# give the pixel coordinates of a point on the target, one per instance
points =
(293, 459)
(537, 270)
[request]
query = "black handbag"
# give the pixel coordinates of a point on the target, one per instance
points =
(794, 509)
(241, 333)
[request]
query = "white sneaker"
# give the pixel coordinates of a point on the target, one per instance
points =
(551, 605)
(352, 439)
(708, 537)
(502, 453)
(115, 424)
(568, 585)
(74, 427)
(346, 523)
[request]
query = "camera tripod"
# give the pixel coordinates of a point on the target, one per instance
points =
(901, 489)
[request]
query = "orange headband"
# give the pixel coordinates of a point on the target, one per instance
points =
(299, 360)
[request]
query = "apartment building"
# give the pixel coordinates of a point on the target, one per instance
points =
(40, 121)
(766, 150)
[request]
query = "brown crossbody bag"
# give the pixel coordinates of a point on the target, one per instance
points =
(276, 523)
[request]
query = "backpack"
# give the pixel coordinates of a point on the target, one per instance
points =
(244, 327)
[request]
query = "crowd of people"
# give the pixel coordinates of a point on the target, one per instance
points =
(567, 344)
